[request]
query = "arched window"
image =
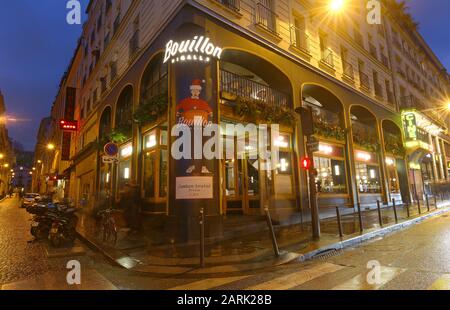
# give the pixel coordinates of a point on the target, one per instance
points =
(105, 124)
(124, 110)
(154, 81)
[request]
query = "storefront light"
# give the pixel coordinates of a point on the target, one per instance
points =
(281, 142)
(127, 151)
(363, 156)
(337, 170)
(151, 141)
(126, 173)
(107, 177)
(284, 165)
(390, 161)
(372, 174)
(325, 149)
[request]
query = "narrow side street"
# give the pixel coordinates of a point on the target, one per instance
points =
(416, 258)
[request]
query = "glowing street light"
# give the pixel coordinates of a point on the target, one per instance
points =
(39, 161)
(2, 155)
(50, 146)
(6, 165)
(336, 5)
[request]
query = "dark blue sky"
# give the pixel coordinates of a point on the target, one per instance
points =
(36, 45)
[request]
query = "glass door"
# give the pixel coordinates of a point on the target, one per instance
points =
(242, 182)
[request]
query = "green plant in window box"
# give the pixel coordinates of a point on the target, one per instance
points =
(150, 109)
(258, 110)
(120, 134)
(330, 131)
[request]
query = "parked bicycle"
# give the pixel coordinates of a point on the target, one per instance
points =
(108, 224)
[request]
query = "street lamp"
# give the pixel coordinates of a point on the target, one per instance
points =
(336, 5)
(2, 155)
(50, 146)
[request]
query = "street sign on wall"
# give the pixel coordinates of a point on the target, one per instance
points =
(111, 149)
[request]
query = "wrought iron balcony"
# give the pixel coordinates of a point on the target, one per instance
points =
(266, 18)
(234, 5)
(299, 39)
(233, 86)
(411, 102)
(327, 57)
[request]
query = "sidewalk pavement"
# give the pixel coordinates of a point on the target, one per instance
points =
(252, 250)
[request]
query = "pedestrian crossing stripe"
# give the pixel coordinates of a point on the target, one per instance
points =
(360, 282)
(298, 278)
(208, 284)
(441, 284)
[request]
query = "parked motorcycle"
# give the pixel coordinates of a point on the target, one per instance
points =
(55, 222)
(63, 230)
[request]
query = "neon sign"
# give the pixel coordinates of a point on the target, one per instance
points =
(197, 49)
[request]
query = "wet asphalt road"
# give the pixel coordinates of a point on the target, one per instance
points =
(416, 258)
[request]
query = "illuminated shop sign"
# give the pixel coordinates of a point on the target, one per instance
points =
(410, 124)
(199, 49)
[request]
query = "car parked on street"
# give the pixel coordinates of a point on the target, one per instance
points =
(29, 199)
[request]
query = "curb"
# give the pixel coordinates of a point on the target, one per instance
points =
(358, 240)
(125, 262)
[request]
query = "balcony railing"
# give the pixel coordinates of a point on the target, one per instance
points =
(266, 18)
(234, 5)
(364, 80)
(327, 57)
(348, 69)
(299, 39)
(233, 86)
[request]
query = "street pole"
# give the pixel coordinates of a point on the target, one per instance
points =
(315, 219)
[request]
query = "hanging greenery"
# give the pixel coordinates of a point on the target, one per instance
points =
(395, 148)
(120, 134)
(259, 110)
(150, 109)
(329, 131)
(368, 143)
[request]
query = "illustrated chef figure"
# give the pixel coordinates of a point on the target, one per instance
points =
(194, 111)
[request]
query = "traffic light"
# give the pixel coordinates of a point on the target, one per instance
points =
(306, 163)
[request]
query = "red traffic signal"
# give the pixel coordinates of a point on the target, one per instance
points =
(306, 163)
(68, 125)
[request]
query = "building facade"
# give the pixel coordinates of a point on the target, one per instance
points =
(374, 90)
(7, 158)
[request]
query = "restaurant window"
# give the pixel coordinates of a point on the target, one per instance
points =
(391, 168)
(155, 164)
(367, 173)
(330, 164)
(284, 170)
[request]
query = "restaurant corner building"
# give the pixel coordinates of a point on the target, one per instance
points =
(253, 62)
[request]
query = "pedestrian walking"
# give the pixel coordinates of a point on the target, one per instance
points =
(130, 202)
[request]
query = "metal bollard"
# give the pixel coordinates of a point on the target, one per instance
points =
(361, 225)
(395, 211)
(202, 238)
(407, 210)
(428, 202)
(272, 233)
(338, 215)
(380, 218)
